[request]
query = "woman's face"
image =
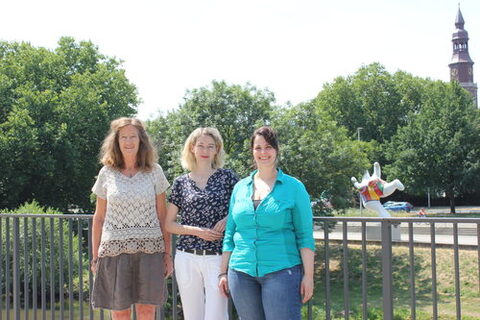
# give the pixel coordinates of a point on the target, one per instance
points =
(263, 153)
(129, 140)
(204, 149)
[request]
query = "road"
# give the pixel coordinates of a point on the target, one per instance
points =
(467, 233)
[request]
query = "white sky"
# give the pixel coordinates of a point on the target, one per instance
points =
(290, 47)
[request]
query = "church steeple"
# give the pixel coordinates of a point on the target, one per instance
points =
(459, 22)
(461, 65)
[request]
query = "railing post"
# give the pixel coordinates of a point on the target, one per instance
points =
(16, 269)
(456, 260)
(346, 290)
(1, 268)
(174, 282)
(387, 270)
(328, 295)
(364, 272)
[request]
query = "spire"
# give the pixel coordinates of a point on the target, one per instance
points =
(461, 65)
(460, 41)
(459, 22)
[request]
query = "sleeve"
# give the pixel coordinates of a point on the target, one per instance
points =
(99, 188)
(161, 183)
(228, 244)
(175, 196)
(303, 219)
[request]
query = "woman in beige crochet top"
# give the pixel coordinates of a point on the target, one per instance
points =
(131, 250)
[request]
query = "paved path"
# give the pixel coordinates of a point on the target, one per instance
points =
(467, 233)
(446, 210)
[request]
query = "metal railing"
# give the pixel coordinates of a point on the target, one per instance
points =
(442, 232)
(44, 269)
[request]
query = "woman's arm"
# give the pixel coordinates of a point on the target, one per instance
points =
(306, 287)
(177, 228)
(97, 225)
(303, 224)
(228, 246)
(161, 206)
(220, 225)
(232, 181)
(222, 276)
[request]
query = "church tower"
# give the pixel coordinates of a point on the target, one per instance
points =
(461, 66)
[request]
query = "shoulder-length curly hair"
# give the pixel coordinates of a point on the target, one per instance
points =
(111, 155)
(188, 158)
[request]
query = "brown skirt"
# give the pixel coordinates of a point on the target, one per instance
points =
(128, 279)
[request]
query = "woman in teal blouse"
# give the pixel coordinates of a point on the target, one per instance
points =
(268, 248)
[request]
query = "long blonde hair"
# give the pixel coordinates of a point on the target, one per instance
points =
(111, 155)
(188, 159)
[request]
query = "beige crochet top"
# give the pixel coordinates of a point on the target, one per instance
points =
(131, 224)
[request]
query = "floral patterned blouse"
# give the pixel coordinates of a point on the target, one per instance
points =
(202, 208)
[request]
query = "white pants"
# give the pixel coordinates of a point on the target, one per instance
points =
(197, 279)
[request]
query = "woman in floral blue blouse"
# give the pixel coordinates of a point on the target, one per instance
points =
(201, 198)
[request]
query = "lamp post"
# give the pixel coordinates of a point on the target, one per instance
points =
(428, 197)
(359, 195)
(358, 132)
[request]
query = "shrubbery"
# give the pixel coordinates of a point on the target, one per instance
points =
(49, 249)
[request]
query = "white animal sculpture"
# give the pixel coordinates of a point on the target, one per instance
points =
(372, 188)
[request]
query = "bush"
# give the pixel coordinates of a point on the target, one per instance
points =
(36, 249)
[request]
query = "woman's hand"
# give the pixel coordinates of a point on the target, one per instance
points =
(168, 261)
(220, 225)
(223, 285)
(222, 277)
(93, 265)
(209, 234)
(306, 288)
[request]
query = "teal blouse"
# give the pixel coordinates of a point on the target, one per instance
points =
(269, 238)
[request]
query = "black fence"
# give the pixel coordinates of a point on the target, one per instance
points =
(44, 265)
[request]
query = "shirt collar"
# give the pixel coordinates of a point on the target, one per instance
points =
(280, 176)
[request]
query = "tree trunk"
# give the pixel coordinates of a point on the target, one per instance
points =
(451, 196)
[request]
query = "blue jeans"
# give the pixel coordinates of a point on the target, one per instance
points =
(275, 296)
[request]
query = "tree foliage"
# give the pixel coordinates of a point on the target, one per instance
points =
(372, 99)
(233, 109)
(313, 147)
(439, 148)
(419, 129)
(319, 153)
(55, 108)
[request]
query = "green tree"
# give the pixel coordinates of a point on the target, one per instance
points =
(372, 99)
(55, 109)
(439, 148)
(233, 109)
(319, 152)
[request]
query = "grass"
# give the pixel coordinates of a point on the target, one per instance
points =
(469, 283)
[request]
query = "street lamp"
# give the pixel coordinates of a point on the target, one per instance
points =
(358, 132)
(359, 195)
